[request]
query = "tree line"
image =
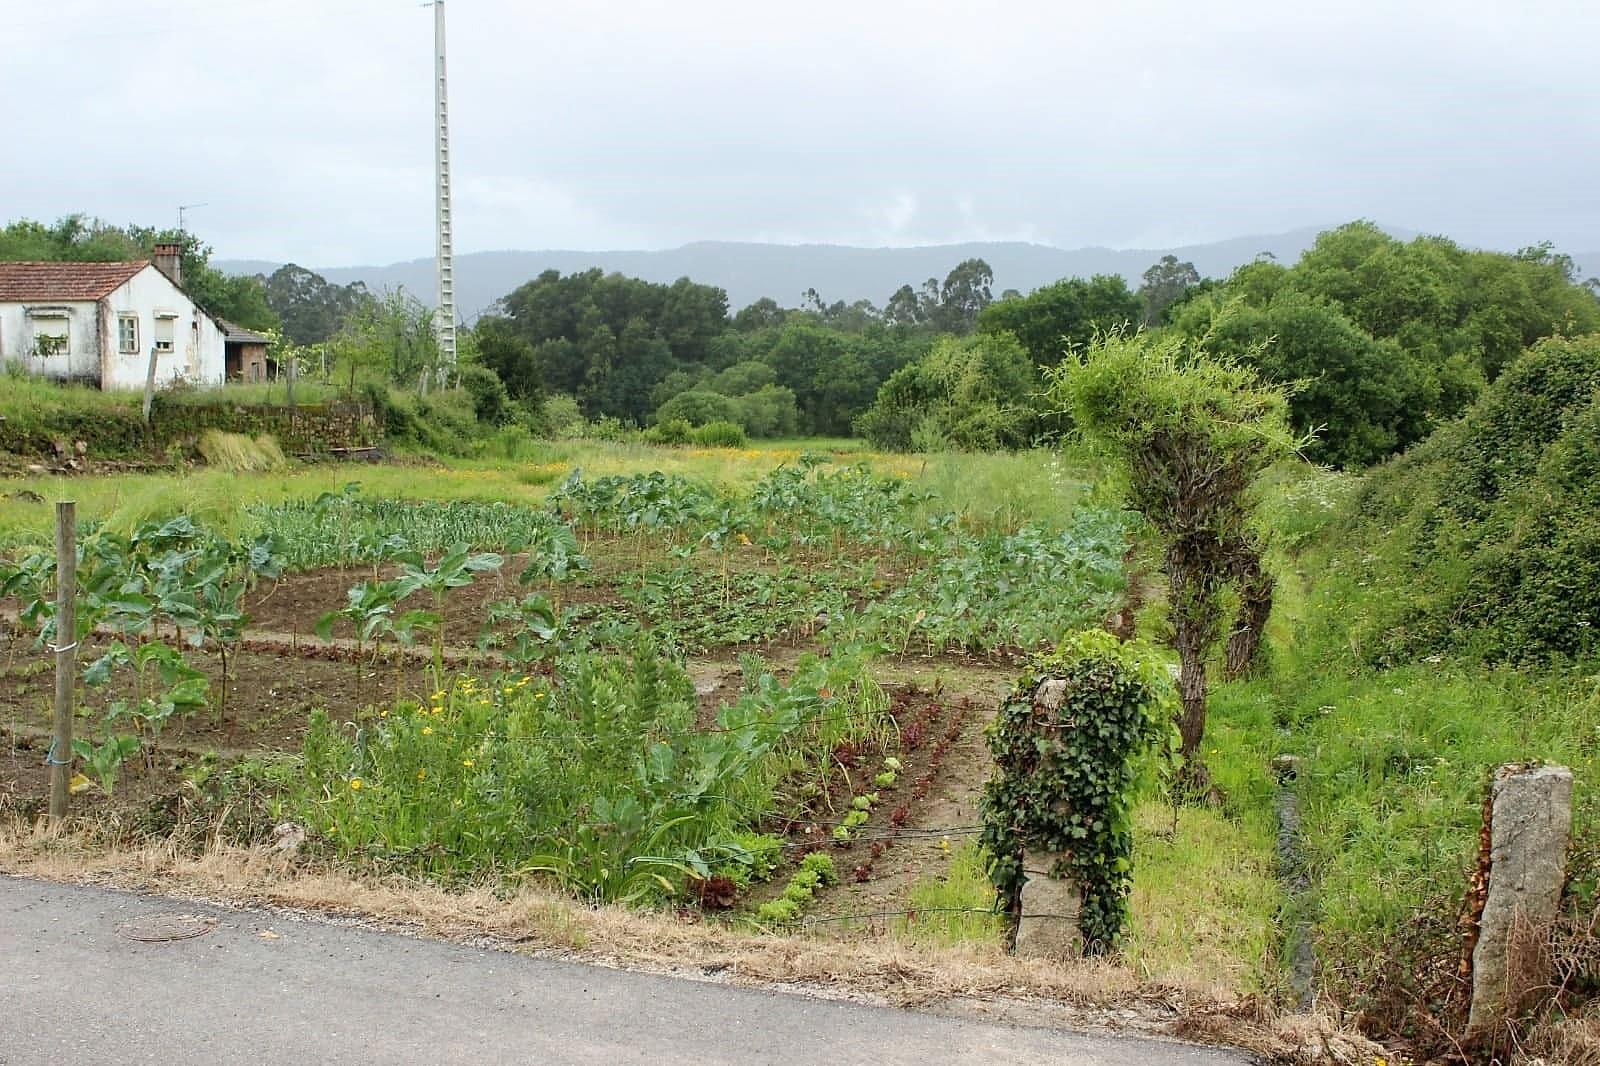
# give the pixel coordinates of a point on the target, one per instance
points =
(1379, 340)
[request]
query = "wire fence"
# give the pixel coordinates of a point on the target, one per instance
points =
(915, 912)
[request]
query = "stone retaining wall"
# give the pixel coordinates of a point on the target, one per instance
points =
(305, 429)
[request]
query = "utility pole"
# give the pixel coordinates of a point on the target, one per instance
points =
(444, 315)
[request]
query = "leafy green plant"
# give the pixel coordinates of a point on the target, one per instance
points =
(816, 871)
(454, 570)
(165, 684)
(104, 760)
(601, 783)
(533, 624)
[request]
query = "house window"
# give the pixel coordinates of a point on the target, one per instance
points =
(128, 334)
(52, 336)
(164, 332)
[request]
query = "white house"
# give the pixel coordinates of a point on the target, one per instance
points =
(99, 323)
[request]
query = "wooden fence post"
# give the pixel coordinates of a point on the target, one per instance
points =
(66, 649)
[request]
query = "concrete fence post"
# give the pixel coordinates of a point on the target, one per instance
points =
(1530, 823)
(1047, 926)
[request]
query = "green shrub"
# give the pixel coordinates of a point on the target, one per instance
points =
(672, 431)
(769, 411)
(696, 407)
(1485, 539)
(720, 435)
(559, 415)
(977, 393)
(490, 401)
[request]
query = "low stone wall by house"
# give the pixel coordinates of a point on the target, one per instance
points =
(301, 430)
(306, 429)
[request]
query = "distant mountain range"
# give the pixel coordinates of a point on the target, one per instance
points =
(785, 271)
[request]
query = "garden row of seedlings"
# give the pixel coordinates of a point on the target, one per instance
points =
(846, 826)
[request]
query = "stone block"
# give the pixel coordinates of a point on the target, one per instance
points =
(1530, 825)
(1048, 927)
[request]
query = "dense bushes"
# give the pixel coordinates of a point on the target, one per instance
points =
(766, 412)
(696, 407)
(1069, 312)
(1486, 538)
(1388, 339)
(977, 393)
(1364, 397)
(445, 421)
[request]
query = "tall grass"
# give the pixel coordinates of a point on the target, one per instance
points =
(1393, 763)
(239, 454)
(26, 397)
(954, 907)
(259, 393)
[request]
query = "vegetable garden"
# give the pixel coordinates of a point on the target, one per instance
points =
(643, 688)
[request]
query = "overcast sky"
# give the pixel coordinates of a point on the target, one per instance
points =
(304, 126)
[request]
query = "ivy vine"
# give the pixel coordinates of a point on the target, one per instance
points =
(1066, 775)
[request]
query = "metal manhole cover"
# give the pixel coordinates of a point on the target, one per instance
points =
(161, 928)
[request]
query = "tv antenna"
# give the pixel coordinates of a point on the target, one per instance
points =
(181, 209)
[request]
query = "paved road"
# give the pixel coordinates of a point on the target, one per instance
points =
(75, 989)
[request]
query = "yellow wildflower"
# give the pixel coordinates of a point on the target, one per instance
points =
(421, 774)
(355, 784)
(467, 763)
(427, 730)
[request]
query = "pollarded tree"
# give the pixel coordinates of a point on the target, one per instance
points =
(1193, 431)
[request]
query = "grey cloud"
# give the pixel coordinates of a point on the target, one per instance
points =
(304, 125)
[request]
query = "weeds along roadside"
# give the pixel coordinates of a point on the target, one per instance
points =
(1393, 763)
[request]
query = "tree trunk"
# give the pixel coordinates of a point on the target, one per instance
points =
(1195, 618)
(1255, 606)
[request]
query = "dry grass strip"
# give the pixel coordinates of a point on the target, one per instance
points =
(979, 980)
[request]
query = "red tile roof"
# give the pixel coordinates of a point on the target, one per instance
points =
(64, 281)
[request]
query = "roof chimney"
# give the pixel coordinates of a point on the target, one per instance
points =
(169, 260)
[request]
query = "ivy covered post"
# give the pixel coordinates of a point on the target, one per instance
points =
(1068, 745)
